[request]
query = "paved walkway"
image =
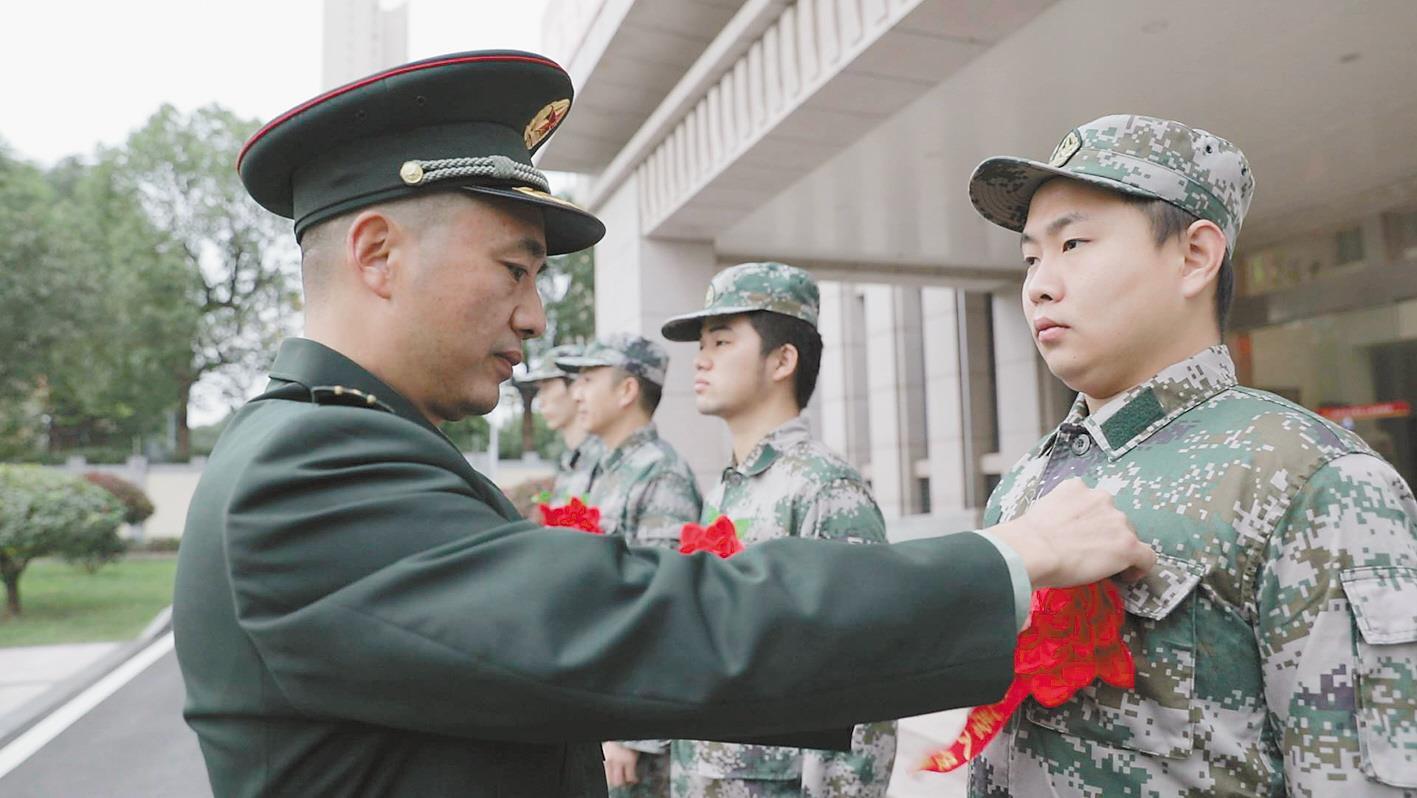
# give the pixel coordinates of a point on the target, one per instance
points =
(916, 738)
(27, 672)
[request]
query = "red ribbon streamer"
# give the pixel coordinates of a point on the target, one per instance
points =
(1074, 636)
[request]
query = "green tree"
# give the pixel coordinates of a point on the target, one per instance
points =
(116, 375)
(34, 316)
(241, 267)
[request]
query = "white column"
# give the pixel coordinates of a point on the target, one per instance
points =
(831, 400)
(640, 282)
(883, 400)
(1019, 391)
(943, 413)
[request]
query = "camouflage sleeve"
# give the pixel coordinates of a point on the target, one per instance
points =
(1335, 599)
(842, 509)
(667, 503)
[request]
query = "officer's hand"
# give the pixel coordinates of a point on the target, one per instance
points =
(1076, 536)
(619, 764)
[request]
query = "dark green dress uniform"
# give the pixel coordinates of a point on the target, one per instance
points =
(359, 612)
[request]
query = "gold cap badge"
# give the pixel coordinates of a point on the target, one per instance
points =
(544, 122)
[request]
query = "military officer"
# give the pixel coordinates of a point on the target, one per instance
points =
(558, 407)
(359, 612)
(645, 492)
(759, 354)
(1276, 640)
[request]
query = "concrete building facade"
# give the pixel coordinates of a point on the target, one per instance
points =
(838, 135)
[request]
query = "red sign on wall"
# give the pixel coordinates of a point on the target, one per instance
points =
(1367, 412)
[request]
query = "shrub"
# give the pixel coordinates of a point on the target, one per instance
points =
(44, 511)
(137, 506)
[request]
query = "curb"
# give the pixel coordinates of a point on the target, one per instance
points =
(16, 723)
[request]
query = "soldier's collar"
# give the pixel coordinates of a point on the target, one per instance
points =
(765, 453)
(316, 366)
(636, 439)
(1140, 412)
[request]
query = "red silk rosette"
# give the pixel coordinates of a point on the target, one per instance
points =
(720, 537)
(1074, 636)
(575, 514)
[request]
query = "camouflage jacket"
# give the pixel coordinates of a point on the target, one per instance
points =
(644, 490)
(790, 485)
(1276, 640)
(574, 468)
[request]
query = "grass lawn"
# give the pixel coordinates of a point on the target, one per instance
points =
(62, 603)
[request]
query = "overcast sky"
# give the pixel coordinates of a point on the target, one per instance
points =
(80, 73)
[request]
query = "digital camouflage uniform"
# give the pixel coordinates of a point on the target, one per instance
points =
(573, 470)
(789, 485)
(1276, 640)
(575, 463)
(646, 493)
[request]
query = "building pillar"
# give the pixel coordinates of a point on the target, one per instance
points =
(943, 411)
(978, 409)
(831, 403)
(640, 282)
(1019, 385)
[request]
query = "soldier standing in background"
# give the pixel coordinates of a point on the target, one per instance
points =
(645, 492)
(759, 354)
(1276, 640)
(553, 398)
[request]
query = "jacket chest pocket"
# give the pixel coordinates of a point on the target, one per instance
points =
(1156, 716)
(1383, 600)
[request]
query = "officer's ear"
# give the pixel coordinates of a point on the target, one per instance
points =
(1203, 252)
(368, 246)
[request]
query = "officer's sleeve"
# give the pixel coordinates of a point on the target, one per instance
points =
(665, 504)
(842, 509)
(1337, 625)
(379, 587)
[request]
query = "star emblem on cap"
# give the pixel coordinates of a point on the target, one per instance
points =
(545, 121)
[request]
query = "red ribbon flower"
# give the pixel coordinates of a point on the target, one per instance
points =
(572, 515)
(720, 537)
(1074, 636)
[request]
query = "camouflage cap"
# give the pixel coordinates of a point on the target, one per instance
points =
(546, 368)
(1190, 168)
(774, 287)
(631, 353)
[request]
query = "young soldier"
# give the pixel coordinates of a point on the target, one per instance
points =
(1275, 642)
(645, 493)
(759, 353)
(558, 407)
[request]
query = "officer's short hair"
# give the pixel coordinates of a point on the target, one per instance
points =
(1168, 222)
(777, 329)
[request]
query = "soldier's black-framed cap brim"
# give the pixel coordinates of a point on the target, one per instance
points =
(1002, 188)
(467, 121)
(689, 326)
